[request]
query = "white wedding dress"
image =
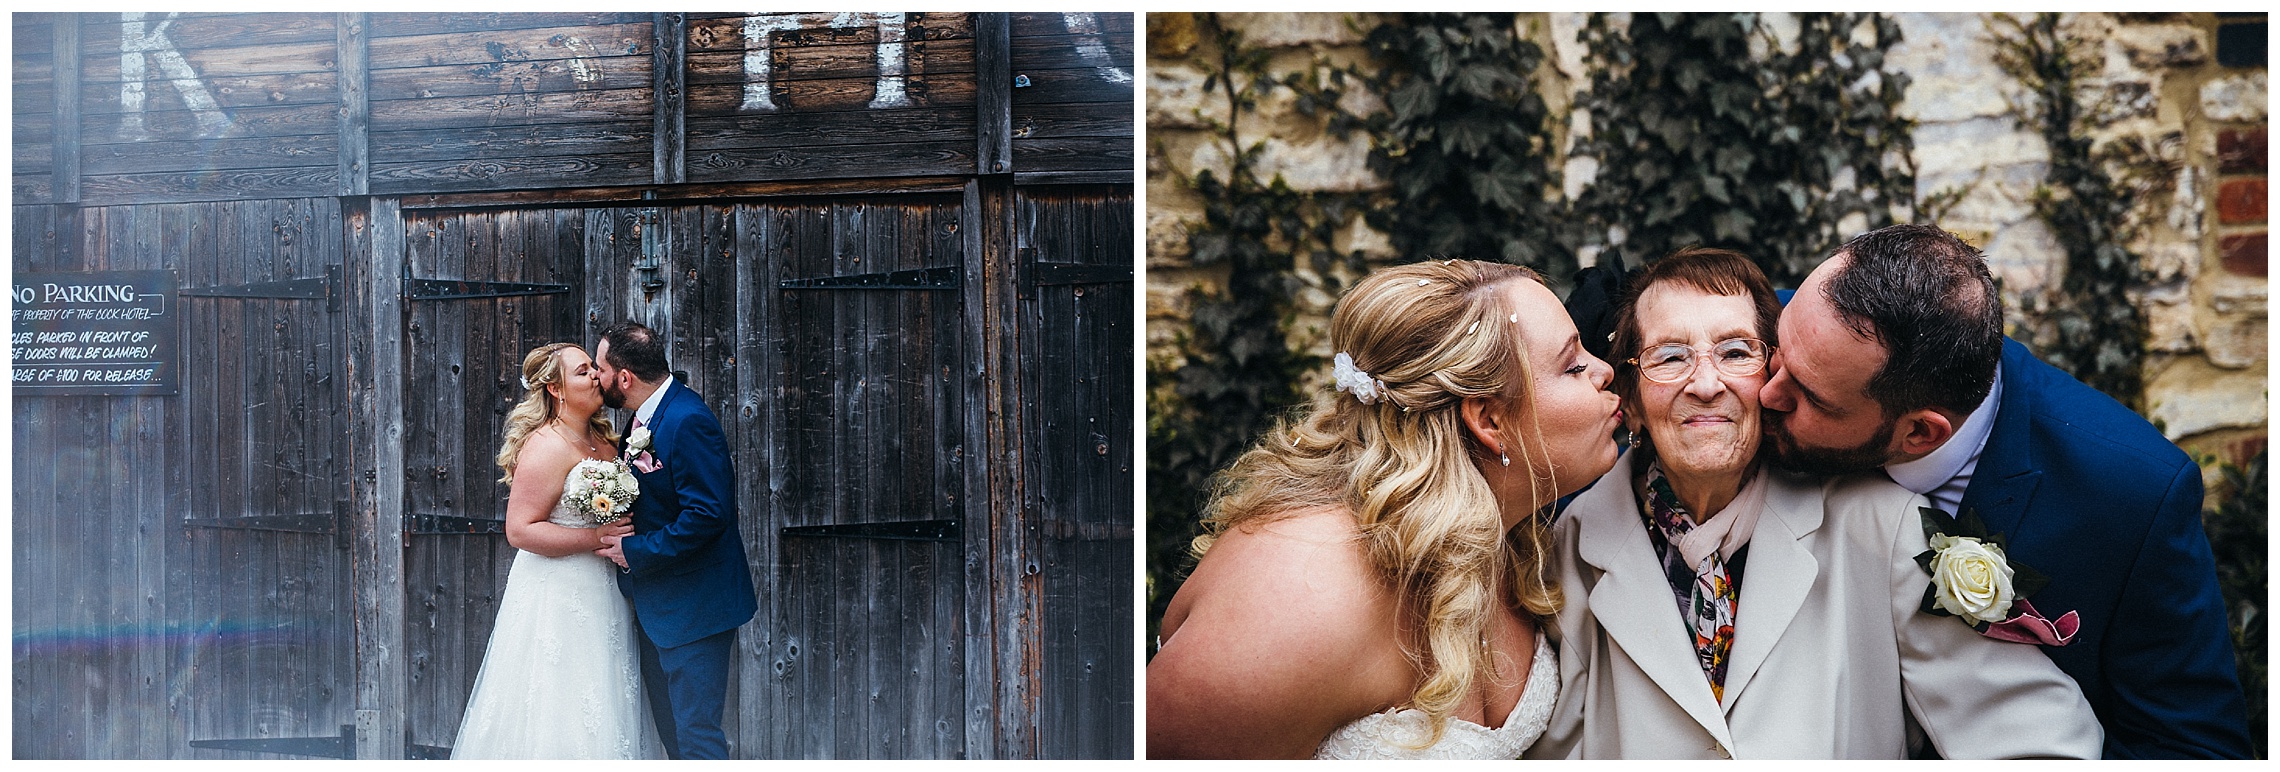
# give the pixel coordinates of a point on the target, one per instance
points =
(560, 679)
(1388, 735)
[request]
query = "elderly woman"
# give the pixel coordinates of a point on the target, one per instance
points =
(1718, 608)
(1377, 572)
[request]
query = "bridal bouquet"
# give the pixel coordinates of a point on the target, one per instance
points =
(602, 491)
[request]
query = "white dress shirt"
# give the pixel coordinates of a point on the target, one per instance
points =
(649, 406)
(1943, 474)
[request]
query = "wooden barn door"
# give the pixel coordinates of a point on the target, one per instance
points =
(1075, 245)
(863, 639)
(263, 412)
(484, 287)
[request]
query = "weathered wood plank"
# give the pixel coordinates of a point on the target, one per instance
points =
(831, 128)
(919, 92)
(708, 32)
(475, 143)
(227, 92)
(189, 32)
(31, 188)
(1074, 51)
(30, 33)
(355, 137)
(513, 78)
(1033, 24)
(222, 184)
(993, 102)
(1073, 153)
(758, 189)
(859, 59)
(429, 23)
(720, 165)
(157, 125)
(447, 176)
(500, 46)
(64, 172)
(103, 66)
(757, 413)
(210, 155)
(378, 540)
(33, 97)
(670, 90)
(507, 110)
(1083, 85)
(1083, 119)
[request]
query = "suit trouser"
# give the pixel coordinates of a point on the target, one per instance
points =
(688, 708)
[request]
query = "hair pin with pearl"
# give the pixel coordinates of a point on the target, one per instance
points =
(1474, 328)
(1423, 282)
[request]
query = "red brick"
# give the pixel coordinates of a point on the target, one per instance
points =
(2246, 254)
(2241, 201)
(2241, 151)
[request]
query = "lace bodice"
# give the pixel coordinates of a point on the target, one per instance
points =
(1384, 735)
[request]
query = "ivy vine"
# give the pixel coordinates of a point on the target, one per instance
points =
(1700, 141)
(1464, 142)
(2079, 326)
(1235, 369)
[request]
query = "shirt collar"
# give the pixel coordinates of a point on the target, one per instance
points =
(1927, 474)
(649, 407)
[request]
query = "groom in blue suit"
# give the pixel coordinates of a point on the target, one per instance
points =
(1892, 355)
(683, 568)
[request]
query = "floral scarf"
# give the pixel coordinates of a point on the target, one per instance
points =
(1703, 563)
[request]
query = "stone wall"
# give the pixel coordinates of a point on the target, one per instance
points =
(2207, 369)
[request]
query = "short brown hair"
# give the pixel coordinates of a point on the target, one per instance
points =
(1716, 271)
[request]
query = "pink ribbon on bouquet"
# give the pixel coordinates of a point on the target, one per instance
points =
(2030, 626)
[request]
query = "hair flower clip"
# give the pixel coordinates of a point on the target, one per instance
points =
(1353, 381)
(526, 384)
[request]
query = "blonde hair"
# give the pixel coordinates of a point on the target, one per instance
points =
(1434, 334)
(540, 367)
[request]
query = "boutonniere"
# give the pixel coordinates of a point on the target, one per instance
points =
(1973, 580)
(637, 446)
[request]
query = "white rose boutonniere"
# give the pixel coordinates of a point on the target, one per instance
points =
(637, 447)
(1975, 581)
(1970, 578)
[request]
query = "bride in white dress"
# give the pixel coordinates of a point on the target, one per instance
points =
(560, 679)
(1374, 579)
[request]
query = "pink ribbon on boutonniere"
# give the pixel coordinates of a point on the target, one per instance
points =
(639, 441)
(2030, 626)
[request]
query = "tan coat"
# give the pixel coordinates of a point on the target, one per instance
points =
(1830, 653)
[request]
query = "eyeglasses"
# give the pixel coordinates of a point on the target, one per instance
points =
(1674, 362)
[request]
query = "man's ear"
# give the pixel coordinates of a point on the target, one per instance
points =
(1922, 431)
(1484, 421)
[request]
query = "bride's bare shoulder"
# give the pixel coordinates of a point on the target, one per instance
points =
(545, 455)
(1310, 564)
(1249, 640)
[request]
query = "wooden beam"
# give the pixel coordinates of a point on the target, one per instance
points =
(669, 87)
(353, 53)
(1002, 590)
(779, 189)
(993, 93)
(376, 393)
(64, 142)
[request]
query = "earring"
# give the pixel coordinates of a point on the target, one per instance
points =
(1506, 457)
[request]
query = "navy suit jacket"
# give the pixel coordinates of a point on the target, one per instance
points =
(686, 573)
(2091, 495)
